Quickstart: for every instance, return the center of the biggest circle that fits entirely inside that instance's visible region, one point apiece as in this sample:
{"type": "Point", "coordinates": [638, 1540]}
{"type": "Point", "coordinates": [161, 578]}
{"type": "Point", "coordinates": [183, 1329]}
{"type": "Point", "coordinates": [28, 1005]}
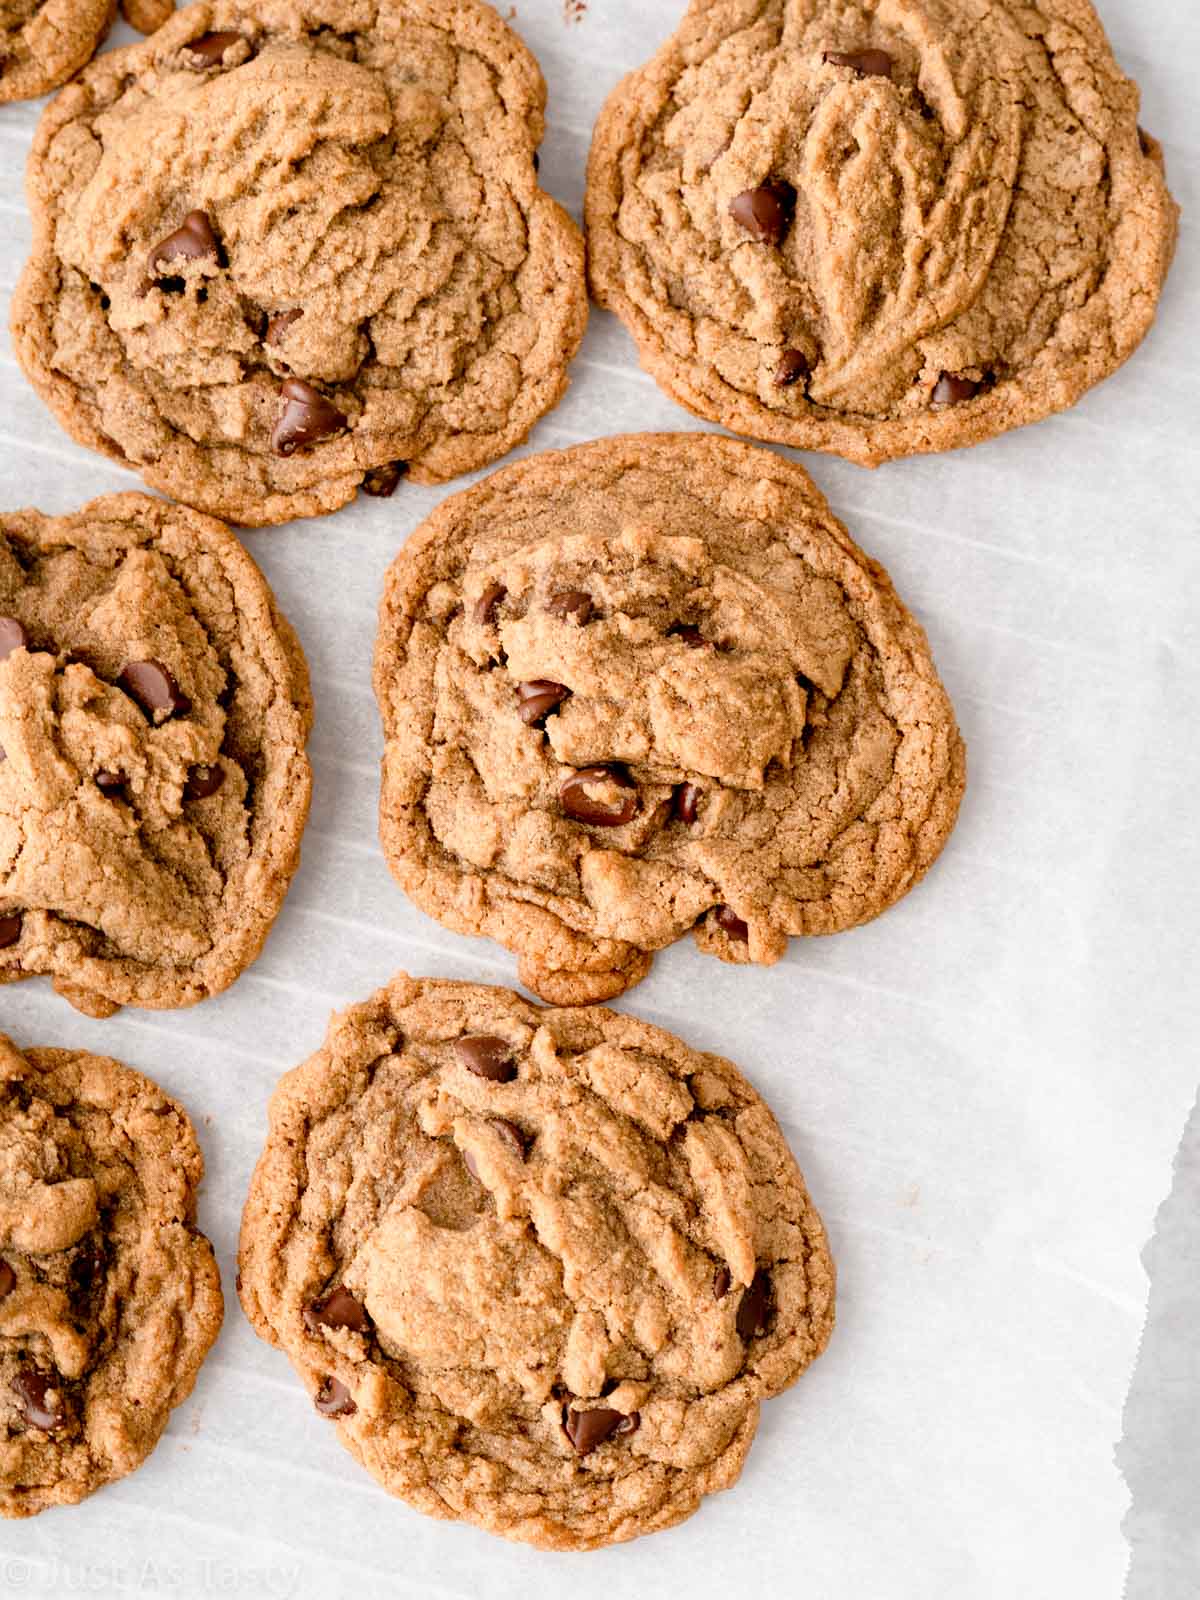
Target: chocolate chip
{"type": "Point", "coordinates": [203, 782]}
{"type": "Point", "coordinates": [754, 1310]}
{"type": "Point", "coordinates": [40, 1399]}
{"type": "Point", "coordinates": [687, 633]}
{"type": "Point", "coordinates": [109, 782]}
{"type": "Point", "coordinates": [279, 324]}
{"type": "Point", "coordinates": [865, 63]}
{"type": "Point", "coordinates": [339, 1309]}
{"type": "Point", "coordinates": [485, 606]}
{"type": "Point", "coordinates": [569, 604]}
{"type": "Point", "coordinates": [725, 917]}
{"type": "Point", "coordinates": [578, 798]}
{"type": "Point", "coordinates": [8, 1280]}
{"type": "Point", "coordinates": [587, 1429]}
{"type": "Point", "coordinates": [154, 689]}
{"type": "Point", "coordinates": [487, 1057]}
{"type": "Point", "coordinates": [685, 801]}
{"type": "Point", "coordinates": [952, 391]}
{"type": "Point", "coordinates": [307, 418]}
{"type": "Point", "coordinates": [511, 1135]}
{"type": "Point", "coordinates": [12, 637]}
{"type": "Point", "coordinates": [10, 930]}
{"type": "Point", "coordinates": [765, 212]}
{"type": "Point", "coordinates": [209, 49]}
{"type": "Point", "coordinates": [722, 1278]}
{"type": "Point", "coordinates": [193, 241]}
{"type": "Point", "coordinates": [381, 482]}
{"type": "Point", "coordinates": [793, 365]}
{"type": "Point", "coordinates": [537, 698]}
{"type": "Point", "coordinates": [333, 1399]}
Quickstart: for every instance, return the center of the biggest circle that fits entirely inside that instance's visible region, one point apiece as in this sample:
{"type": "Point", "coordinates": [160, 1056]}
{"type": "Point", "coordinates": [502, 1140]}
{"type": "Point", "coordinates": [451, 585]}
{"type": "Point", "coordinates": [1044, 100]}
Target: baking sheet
{"type": "Point", "coordinates": [985, 1088]}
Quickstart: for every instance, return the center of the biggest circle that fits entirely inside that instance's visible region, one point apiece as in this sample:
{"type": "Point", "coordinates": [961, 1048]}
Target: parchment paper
{"type": "Point", "coordinates": [985, 1088]}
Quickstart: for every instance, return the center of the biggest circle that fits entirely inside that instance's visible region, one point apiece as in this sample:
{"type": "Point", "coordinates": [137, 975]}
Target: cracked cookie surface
{"type": "Point", "coordinates": [154, 709]}
{"type": "Point", "coordinates": [539, 1266]}
{"type": "Point", "coordinates": [284, 250]}
{"type": "Point", "coordinates": [646, 685]}
{"type": "Point", "coordinates": [109, 1295]}
{"type": "Point", "coordinates": [879, 227]}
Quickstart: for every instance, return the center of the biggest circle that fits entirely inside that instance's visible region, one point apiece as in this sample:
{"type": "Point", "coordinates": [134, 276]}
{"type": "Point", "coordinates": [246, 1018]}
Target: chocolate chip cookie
{"type": "Point", "coordinates": [328, 264]}
{"type": "Point", "coordinates": [879, 228]}
{"type": "Point", "coordinates": [647, 685]}
{"type": "Point", "coordinates": [154, 708]}
{"type": "Point", "coordinates": [540, 1267]}
{"type": "Point", "coordinates": [109, 1295]}
{"type": "Point", "coordinates": [42, 42]}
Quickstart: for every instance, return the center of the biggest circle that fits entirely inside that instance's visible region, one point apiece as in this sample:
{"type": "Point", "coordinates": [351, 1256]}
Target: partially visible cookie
{"type": "Point", "coordinates": [330, 265]}
{"type": "Point", "coordinates": [879, 229]}
{"type": "Point", "coordinates": [42, 42]}
{"type": "Point", "coordinates": [154, 709]}
{"type": "Point", "coordinates": [539, 1267]}
{"type": "Point", "coordinates": [646, 685]}
{"type": "Point", "coordinates": [109, 1294]}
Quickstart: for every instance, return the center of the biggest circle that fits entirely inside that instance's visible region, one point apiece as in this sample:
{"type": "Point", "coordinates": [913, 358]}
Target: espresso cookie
{"type": "Point", "coordinates": [539, 1266]}
{"type": "Point", "coordinates": [879, 228]}
{"type": "Point", "coordinates": [154, 708]}
{"type": "Point", "coordinates": [331, 264]}
{"type": "Point", "coordinates": [42, 42]}
{"type": "Point", "coordinates": [109, 1295]}
{"type": "Point", "coordinates": [647, 685]}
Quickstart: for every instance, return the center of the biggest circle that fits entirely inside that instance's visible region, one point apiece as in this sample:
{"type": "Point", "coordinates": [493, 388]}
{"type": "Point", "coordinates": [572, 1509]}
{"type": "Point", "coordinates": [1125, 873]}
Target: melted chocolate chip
{"type": "Point", "coordinates": [688, 634]}
{"type": "Point", "coordinates": [952, 391]}
{"type": "Point", "coordinates": [487, 1057]}
{"type": "Point", "coordinates": [571, 605]}
{"type": "Point", "coordinates": [12, 637]}
{"type": "Point", "coordinates": [587, 1429]}
{"type": "Point", "coordinates": [578, 797]}
{"type": "Point", "coordinates": [203, 782]}
{"type": "Point", "coordinates": [485, 606]}
{"type": "Point", "coordinates": [538, 698]}
{"type": "Point", "coordinates": [339, 1309]}
{"type": "Point", "coordinates": [41, 1401]}
{"type": "Point", "coordinates": [8, 1280]}
{"type": "Point", "coordinates": [380, 483]}
{"type": "Point", "coordinates": [511, 1136]}
{"type": "Point", "coordinates": [209, 49]}
{"type": "Point", "coordinates": [725, 917]}
{"type": "Point", "coordinates": [193, 241]}
{"type": "Point", "coordinates": [754, 1311]}
{"type": "Point", "coordinates": [109, 782]}
{"type": "Point", "coordinates": [307, 418]}
{"type": "Point", "coordinates": [333, 1399]}
{"type": "Point", "coordinates": [10, 930]}
{"type": "Point", "coordinates": [765, 212]}
{"type": "Point", "coordinates": [793, 365]}
{"type": "Point", "coordinates": [685, 801]}
{"type": "Point", "coordinates": [154, 689]}
{"type": "Point", "coordinates": [864, 63]}
{"type": "Point", "coordinates": [722, 1278]}
{"type": "Point", "coordinates": [279, 324]}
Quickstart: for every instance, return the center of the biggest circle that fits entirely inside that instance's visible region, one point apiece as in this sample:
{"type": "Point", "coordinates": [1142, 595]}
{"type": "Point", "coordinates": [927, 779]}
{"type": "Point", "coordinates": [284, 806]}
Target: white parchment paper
{"type": "Point", "coordinates": [985, 1088]}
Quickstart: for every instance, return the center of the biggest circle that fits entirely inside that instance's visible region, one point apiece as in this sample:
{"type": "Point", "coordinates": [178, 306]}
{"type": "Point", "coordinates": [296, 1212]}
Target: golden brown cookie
{"type": "Point", "coordinates": [539, 1267]}
{"type": "Point", "coordinates": [879, 227]}
{"type": "Point", "coordinates": [109, 1295]}
{"type": "Point", "coordinates": [648, 685]}
{"type": "Point", "coordinates": [329, 263]}
{"type": "Point", "coordinates": [154, 709]}
{"type": "Point", "coordinates": [42, 42]}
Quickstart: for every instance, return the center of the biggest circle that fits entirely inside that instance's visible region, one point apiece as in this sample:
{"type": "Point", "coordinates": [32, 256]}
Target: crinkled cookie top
{"type": "Point", "coordinates": [285, 250]}
{"type": "Point", "coordinates": [109, 1296]}
{"type": "Point", "coordinates": [881, 226]}
{"type": "Point", "coordinates": [647, 685]}
{"type": "Point", "coordinates": [154, 708]}
{"type": "Point", "coordinates": [539, 1266]}
{"type": "Point", "coordinates": [42, 42]}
